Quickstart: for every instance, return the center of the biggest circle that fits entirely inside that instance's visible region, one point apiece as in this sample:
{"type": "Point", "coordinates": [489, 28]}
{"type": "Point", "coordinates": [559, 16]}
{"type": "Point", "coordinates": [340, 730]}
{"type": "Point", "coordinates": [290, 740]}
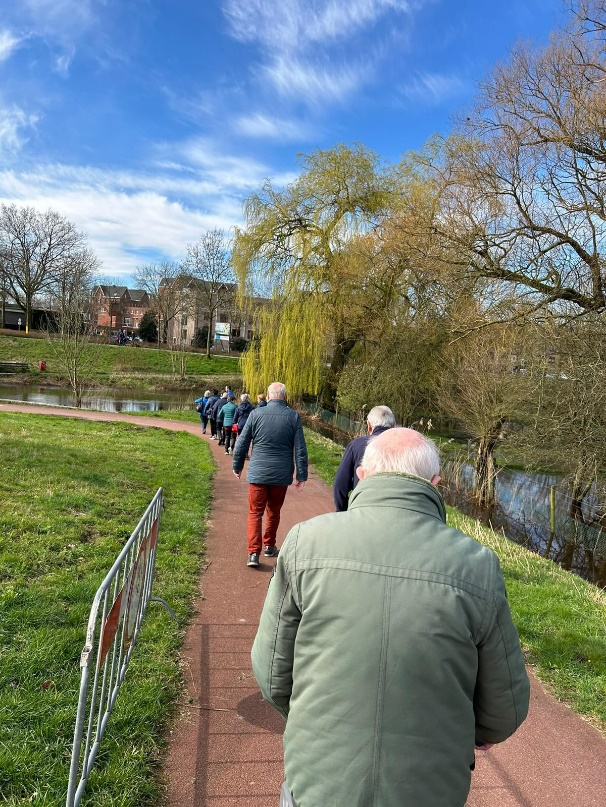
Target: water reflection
{"type": "Point", "coordinates": [111, 399]}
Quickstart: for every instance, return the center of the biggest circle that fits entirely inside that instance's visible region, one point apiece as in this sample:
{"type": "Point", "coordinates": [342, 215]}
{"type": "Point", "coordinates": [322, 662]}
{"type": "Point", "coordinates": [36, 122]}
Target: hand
{"type": "Point", "coordinates": [237, 474]}
{"type": "Point", "coordinates": [299, 485]}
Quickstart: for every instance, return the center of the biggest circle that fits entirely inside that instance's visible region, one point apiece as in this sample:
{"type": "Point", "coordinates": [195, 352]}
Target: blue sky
{"type": "Point", "coordinates": [147, 122]}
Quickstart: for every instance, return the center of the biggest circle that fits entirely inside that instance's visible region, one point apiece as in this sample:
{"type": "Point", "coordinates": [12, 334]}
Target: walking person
{"type": "Point", "coordinates": [225, 419]}
{"type": "Point", "coordinates": [261, 400]}
{"type": "Point", "coordinates": [387, 643]}
{"type": "Point", "coordinates": [218, 405]}
{"type": "Point", "coordinates": [242, 412]}
{"type": "Point", "coordinates": [208, 411]}
{"type": "Point", "coordinates": [378, 420]}
{"type": "Point", "coordinates": [277, 433]}
{"type": "Point", "coordinates": [201, 407]}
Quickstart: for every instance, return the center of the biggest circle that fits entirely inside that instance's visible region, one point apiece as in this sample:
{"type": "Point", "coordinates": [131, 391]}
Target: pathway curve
{"type": "Point", "coordinates": [225, 747]}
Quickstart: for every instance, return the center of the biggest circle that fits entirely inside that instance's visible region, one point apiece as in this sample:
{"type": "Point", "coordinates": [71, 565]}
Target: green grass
{"type": "Point", "coordinates": [119, 366]}
{"type": "Point", "coordinates": [72, 492]}
{"type": "Point", "coordinates": [561, 619]}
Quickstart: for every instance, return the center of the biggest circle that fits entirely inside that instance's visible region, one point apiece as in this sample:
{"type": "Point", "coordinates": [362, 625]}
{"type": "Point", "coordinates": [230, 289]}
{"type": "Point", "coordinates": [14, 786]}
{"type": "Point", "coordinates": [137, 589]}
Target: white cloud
{"type": "Point", "coordinates": [294, 24]}
{"type": "Point", "coordinates": [14, 122]}
{"type": "Point", "coordinates": [8, 43]}
{"type": "Point", "coordinates": [432, 88]}
{"type": "Point", "coordinates": [62, 18]}
{"type": "Point", "coordinates": [132, 217]}
{"type": "Point", "coordinates": [307, 47]}
{"type": "Point", "coordinates": [261, 126]}
{"type": "Point", "coordinates": [314, 83]}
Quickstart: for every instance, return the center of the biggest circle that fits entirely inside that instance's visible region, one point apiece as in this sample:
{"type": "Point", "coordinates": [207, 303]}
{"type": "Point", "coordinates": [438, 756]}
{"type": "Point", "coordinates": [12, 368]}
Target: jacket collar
{"type": "Point", "coordinates": [405, 491]}
{"type": "Point", "coordinates": [276, 402]}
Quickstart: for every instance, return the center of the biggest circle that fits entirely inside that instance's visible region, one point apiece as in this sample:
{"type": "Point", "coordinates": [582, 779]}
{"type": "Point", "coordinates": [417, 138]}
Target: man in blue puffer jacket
{"type": "Point", "coordinates": [279, 444]}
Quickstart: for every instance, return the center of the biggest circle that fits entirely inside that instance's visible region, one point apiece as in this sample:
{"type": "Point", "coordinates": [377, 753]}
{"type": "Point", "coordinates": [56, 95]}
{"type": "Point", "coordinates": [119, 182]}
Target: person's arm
{"type": "Point", "coordinates": [343, 481]}
{"type": "Point", "coordinates": [300, 453]}
{"type": "Point", "coordinates": [502, 691]}
{"type": "Point", "coordinates": [273, 649]}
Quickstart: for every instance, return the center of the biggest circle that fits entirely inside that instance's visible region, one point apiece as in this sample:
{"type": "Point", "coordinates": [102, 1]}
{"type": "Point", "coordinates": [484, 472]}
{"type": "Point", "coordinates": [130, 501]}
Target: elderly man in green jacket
{"type": "Point", "coordinates": [386, 641]}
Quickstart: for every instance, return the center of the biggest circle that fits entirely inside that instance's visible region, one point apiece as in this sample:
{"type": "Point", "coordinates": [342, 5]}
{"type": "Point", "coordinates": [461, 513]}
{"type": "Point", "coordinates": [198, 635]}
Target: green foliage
{"type": "Point", "coordinates": [148, 327]}
{"type": "Point", "coordinates": [72, 492]}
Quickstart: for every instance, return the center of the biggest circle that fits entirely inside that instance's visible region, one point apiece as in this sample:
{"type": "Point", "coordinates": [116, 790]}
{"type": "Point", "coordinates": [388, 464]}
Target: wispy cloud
{"type": "Point", "coordinates": [14, 123]}
{"type": "Point", "coordinates": [294, 24]}
{"type": "Point", "coordinates": [271, 128]}
{"type": "Point", "coordinates": [306, 45]}
{"type": "Point", "coordinates": [433, 88]}
{"type": "Point", "coordinates": [62, 18]}
{"type": "Point", "coordinates": [8, 43]}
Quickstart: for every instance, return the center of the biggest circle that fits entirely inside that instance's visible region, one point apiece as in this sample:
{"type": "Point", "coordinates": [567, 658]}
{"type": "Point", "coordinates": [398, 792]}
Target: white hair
{"type": "Point", "coordinates": [245, 397]}
{"type": "Point", "coordinates": [276, 391]}
{"type": "Point", "coordinates": [381, 416]}
{"type": "Point", "coordinates": [417, 456]}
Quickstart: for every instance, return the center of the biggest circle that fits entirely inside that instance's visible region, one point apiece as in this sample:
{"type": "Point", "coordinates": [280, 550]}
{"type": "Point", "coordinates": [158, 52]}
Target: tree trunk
{"type": "Point", "coordinates": [485, 470]}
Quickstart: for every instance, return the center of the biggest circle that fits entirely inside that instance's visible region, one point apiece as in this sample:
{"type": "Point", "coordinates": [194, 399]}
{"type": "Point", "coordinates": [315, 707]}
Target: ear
{"type": "Point", "coordinates": [434, 480]}
{"type": "Point", "coordinates": [360, 472]}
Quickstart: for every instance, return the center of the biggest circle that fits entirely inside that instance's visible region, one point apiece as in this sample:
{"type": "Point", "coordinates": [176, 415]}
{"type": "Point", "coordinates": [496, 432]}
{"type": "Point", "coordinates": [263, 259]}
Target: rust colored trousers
{"type": "Point", "coordinates": [268, 500]}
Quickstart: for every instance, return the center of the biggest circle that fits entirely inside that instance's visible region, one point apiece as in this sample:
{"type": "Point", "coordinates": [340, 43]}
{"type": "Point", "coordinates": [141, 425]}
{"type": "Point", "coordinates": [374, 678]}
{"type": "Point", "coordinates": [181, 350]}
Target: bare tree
{"type": "Point", "coordinates": [209, 263]}
{"type": "Point", "coordinates": [163, 283]}
{"type": "Point", "coordinates": [35, 247]}
{"type": "Point", "coordinates": [71, 321]}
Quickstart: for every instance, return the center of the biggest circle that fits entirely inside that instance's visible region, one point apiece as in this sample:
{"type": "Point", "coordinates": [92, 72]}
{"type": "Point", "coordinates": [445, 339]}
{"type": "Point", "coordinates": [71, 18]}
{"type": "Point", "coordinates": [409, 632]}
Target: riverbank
{"type": "Point", "coordinates": [119, 366]}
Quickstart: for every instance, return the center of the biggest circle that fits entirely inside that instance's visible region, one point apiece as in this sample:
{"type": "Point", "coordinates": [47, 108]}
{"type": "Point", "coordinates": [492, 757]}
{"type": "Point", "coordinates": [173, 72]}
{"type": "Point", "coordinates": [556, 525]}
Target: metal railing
{"type": "Point", "coordinates": [113, 626]}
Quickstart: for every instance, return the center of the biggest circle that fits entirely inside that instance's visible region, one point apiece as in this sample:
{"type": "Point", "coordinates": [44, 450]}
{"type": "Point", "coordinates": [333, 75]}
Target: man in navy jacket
{"type": "Point", "coordinates": [379, 419]}
{"type": "Point", "coordinates": [279, 446]}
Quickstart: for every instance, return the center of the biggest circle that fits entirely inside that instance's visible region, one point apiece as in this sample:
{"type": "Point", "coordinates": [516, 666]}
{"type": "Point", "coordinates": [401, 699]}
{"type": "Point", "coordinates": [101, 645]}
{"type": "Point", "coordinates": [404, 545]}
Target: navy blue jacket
{"type": "Point", "coordinates": [277, 434]}
{"type": "Point", "coordinates": [209, 405]}
{"type": "Point", "coordinates": [242, 413]}
{"type": "Point", "coordinates": [346, 478]}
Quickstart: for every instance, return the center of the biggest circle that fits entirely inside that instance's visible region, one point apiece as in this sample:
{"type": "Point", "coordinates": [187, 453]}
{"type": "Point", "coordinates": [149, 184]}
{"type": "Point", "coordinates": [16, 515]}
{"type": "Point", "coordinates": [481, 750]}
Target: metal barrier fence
{"type": "Point", "coordinates": [113, 626]}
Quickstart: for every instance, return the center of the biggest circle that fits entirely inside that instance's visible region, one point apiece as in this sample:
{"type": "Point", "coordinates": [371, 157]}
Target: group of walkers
{"type": "Point", "coordinates": [386, 641]}
{"type": "Point", "coordinates": [225, 419]}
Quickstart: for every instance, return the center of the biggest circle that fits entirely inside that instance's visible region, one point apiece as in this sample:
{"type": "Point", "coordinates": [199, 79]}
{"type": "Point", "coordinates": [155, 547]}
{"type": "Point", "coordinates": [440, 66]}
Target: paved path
{"type": "Point", "coordinates": [225, 748]}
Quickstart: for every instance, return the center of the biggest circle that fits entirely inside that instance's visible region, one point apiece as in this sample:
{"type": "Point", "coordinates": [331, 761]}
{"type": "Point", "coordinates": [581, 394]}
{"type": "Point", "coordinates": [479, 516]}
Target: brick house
{"type": "Point", "coordinates": [119, 308]}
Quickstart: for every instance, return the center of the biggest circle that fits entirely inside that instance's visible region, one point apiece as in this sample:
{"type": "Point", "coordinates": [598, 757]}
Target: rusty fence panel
{"type": "Point", "coordinates": [113, 626]}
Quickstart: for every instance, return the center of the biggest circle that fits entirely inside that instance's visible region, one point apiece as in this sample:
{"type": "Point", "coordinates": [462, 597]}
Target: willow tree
{"type": "Point", "coordinates": [298, 238]}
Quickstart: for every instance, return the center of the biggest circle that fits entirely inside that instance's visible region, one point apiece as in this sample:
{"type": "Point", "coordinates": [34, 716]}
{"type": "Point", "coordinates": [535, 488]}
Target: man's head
{"type": "Point", "coordinates": [401, 451]}
{"type": "Point", "coordinates": [224, 395]}
{"type": "Point", "coordinates": [380, 416]}
{"type": "Point", "coordinates": [276, 392]}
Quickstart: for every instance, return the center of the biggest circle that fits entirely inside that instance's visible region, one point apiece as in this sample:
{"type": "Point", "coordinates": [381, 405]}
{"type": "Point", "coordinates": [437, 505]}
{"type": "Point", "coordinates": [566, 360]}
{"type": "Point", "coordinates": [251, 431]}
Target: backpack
{"type": "Point", "coordinates": [200, 407]}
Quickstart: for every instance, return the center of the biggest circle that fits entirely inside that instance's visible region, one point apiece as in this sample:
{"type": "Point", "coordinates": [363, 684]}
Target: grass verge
{"type": "Point", "coordinates": [561, 619]}
{"type": "Point", "coordinates": [72, 491]}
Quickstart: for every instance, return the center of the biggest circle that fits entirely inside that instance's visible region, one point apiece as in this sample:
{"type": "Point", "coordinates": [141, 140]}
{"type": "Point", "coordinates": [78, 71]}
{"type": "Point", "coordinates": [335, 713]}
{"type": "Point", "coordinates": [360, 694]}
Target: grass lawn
{"type": "Point", "coordinates": [117, 366]}
{"type": "Point", "coordinates": [72, 492]}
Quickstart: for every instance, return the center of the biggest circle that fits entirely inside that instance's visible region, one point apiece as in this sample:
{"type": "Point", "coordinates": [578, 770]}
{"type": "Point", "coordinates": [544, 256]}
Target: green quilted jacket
{"type": "Point", "coordinates": [386, 641]}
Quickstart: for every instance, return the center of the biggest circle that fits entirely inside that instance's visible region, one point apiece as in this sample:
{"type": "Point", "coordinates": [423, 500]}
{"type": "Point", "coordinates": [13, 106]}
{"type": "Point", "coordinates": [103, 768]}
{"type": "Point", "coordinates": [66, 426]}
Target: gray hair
{"type": "Point", "coordinates": [276, 391]}
{"type": "Point", "coordinates": [381, 416]}
{"type": "Point", "coordinates": [245, 397]}
{"type": "Point", "coordinates": [404, 451]}
{"type": "Point", "coordinates": [207, 394]}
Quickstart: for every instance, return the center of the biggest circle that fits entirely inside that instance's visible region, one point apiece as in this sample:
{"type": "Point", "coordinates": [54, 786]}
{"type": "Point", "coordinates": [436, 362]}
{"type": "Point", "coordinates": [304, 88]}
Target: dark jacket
{"type": "Point", "coordinates": [278, 443]}
{"type": "Point", "coordinates": [346, 478]}
{"type": "Point", "coordinates": [209, 406]}
{"type": "Point", "coordinates": [217, 407]}
{"type": "Point", "coordinates": [386, 640]}
{"type": "Point", "coordinates": [242, 413]}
